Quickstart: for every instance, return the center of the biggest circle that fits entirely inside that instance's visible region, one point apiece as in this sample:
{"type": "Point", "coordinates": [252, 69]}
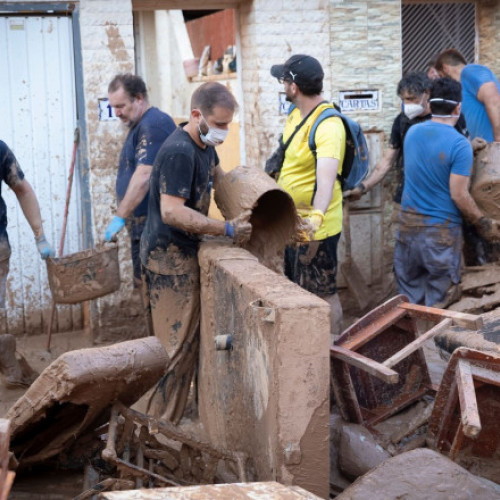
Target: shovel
{"type": "Point", "coordinates": [355, 281]}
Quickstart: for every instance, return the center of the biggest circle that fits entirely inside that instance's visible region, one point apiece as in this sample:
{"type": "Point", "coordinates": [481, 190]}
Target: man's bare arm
{"type": "Point", "coordinates": [376, 175]}
{"type": "Point", "coordinates": [459, 190]}
{"type": "Point", "coordinates": [136, 191]}
{"type": "Point", "coordinates": [29, 205]}
{"type": "Point", "coordinates": [326, 174]}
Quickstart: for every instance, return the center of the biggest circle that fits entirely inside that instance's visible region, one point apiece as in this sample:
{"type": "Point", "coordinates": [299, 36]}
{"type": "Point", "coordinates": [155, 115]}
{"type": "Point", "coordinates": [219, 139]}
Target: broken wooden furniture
{"type": "Point", "coordinates": [6, 476]}
{"type": "Point", "coordinates": [378, 366]}
{"type": "Point", "coordinates": [77, 390]}
{"type": "Point", "coordinates": [156, 453]}
{"type": "Point", "coordinates": [465, 422]}
{"type": "Point", "coordinates": [248, 491]}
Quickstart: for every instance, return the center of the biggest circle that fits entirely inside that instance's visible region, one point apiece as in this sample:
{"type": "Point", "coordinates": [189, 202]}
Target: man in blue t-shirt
{"type": "Point", "coordinates": [149, 127]}
{"type": "Point", "coordinates": [481, 94]}
{"type": "Point", "coordinates": [438, 163]}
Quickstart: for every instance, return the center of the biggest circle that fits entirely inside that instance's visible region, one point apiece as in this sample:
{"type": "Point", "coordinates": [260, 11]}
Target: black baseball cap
{"type": "Point", "coordinates": [300, 69]}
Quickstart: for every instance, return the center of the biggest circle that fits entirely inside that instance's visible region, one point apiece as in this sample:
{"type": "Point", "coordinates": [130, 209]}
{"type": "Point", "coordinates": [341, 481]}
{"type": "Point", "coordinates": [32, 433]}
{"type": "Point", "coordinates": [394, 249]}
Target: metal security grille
{"type": "Point", "coordinates": [429, 28]}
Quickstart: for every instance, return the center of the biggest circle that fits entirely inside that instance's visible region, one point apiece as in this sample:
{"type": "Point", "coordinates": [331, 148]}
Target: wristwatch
{"type": "Point", "coordinates": [362, 187]}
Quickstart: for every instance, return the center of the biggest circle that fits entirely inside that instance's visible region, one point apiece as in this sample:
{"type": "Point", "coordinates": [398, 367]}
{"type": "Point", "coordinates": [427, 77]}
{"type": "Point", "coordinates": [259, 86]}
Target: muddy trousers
{"type": "Point", "coordinates": [174, 302]}
{"type": "Point", "coordinates": [427, 262]}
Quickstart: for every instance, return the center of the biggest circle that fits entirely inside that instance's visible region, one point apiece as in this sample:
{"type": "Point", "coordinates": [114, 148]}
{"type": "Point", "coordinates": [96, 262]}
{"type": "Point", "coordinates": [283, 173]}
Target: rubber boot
{"type": "Point", "coordinates": [10, 366]}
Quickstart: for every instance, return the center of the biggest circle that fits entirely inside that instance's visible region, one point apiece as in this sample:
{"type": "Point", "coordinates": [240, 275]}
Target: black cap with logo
{"type": "Point", "coordinates": [300, 69]}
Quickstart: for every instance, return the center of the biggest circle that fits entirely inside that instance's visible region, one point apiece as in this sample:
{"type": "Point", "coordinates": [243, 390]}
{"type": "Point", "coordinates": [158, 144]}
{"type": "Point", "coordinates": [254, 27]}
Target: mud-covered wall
{"type": "Point", "coordinates": [269, 395]}
{"type": "Point", "coordinates": [107, 43]}
{"type": "Point", "coordinates": [357, 42]}
{"type": "Point", "coordinates": [488, 23]}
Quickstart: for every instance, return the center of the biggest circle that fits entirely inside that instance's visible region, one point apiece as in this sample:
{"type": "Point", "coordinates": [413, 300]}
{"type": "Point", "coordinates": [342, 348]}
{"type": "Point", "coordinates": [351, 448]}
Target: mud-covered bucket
{"type": "Point", "coordinates": [273, 212]}
{"type": "Point", "coordinates": [84, 275]}
{"type": "Point", "coordinates": [485, 183]}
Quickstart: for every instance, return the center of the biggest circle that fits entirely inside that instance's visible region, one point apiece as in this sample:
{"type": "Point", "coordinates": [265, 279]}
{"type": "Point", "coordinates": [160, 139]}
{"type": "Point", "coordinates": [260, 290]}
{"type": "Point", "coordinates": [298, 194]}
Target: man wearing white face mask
{"type": "Point", "coordinates": [438, 163]}
{"type": "Point", "coordinates": [414, 90]}
{"type": "Point", "coordinates": [183, 173]}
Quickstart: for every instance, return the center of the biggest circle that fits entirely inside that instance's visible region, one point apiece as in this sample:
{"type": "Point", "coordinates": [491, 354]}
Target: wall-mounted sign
{"type": "Point", "coordinates": [358, 100]}
{"type": "Point", "coordinates": [284, 105]}
{"type": "Point", "coordinates": [106, 111]}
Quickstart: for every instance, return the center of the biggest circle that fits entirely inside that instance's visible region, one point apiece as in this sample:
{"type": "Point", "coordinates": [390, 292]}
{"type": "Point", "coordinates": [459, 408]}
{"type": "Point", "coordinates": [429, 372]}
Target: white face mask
{"type": "Point", "coordinates": [413, 110]}
{"type": "Point", "coordinates": [214, 136]}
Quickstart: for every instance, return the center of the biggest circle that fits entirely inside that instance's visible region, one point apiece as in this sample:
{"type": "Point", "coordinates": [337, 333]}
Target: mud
{"type": "Point", "coordinates": [248, 491]}
{"type": "Point", "coordinates": [77, 389]}
{"type": "Point", "coordinates": [359, 452]}
{"type": "Point", "coordinates": [485, 183]}
{"type": "Point", "coordinates": [273, 216]}
{"type": "Point", "coordinates": [418, 475]}
{"type": "Point", "coordinates": [84, 275]}
{"type": "Point", "coordinates": [268, 396]}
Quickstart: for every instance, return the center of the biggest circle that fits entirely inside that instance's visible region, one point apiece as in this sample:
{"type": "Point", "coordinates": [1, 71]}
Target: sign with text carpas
{"type": "Point", "coordinates": [358, 100]}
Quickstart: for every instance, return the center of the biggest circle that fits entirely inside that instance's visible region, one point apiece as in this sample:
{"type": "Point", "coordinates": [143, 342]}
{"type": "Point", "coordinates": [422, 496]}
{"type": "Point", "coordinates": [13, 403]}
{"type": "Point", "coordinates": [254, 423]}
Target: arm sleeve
{"type": "Point", "coordinates": [462, 158]}
{"type": "Point", "coordinates": [11, 172]}
{"type": "Point", "coordinates": [149, 141]}
{"type": "Point", "coordinates": [395, 141]}
{"type": "Point", "coordinates": [176, 174]}
{"type": "Point", "coordinates": [476, 75]}
{"type": "Point", "coordinates": [330, 139]}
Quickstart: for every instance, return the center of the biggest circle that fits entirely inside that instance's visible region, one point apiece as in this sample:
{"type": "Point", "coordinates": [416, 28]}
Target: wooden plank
{"type": "Point", "coordinates": [471, 321]}
{"type": "Point", "coordinates": [473, 280]}
{"type": "Point", "coordinates": [417, 343]}
{"type": "Point", "coordinates": [372, 330]}
{"type": "Point", "coordinates": [138, 5]}
{"type": "Point", "coordinates": [366, 364]}
{"type": "Point", "coordinates": [486, 375]}
{"type": "Point", "coordinates": [477, 303]}
{"type": "Point", "coordinates": [471, 423]}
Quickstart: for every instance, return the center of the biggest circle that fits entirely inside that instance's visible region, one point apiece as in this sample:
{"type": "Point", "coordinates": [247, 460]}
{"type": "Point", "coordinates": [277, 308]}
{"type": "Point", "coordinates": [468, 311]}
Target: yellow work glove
{"type": "Point", "coordinates": [309, 222]}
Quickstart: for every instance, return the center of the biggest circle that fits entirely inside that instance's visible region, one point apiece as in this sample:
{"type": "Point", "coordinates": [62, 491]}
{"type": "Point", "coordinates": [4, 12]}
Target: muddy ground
{"type": "Point", "coordinates": [55, 485]}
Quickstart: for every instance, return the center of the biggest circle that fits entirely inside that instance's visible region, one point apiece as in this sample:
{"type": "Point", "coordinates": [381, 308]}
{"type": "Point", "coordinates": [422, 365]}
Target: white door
{"type": "Point", "coordinates": [38, 118]}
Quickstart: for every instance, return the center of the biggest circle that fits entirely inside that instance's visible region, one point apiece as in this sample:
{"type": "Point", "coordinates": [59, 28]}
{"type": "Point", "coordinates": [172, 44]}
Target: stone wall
{"type": "Point", "coordinates": [488, 23]}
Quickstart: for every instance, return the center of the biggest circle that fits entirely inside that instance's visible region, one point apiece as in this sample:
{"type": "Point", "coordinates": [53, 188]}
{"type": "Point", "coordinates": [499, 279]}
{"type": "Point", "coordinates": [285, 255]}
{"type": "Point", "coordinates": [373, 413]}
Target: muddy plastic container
{"type": "Point", "coordinates": [84, 275]}
{"type": "Point", "coordinates": [485, 183]}
{"type": "Point", "coordinates": [273, 218]}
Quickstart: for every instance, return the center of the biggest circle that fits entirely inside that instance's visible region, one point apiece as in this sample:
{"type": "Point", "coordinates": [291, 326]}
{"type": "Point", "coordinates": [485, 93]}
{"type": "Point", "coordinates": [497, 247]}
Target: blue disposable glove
{"type": "Point", "coordinates": [115, 226]}
{"type": "Point", "coordinates": [44, 247]}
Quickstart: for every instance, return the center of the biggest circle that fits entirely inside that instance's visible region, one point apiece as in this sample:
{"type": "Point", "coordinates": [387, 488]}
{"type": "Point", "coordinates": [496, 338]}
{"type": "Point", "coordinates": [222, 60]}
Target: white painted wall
{"type": "Point", "coordinates": [38, 120]}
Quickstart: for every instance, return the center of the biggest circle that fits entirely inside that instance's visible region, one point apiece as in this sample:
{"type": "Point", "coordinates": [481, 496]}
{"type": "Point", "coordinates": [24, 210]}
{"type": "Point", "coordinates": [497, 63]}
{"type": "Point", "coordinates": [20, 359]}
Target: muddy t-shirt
{"type": "Point", "coordinates": [11, 174]}
{"type": "Point", "coordinates": [141, 147]}
{"type": "Point", "coordinates": [182, 169]}
{"type": "Point", "coordinates": [399, 128]}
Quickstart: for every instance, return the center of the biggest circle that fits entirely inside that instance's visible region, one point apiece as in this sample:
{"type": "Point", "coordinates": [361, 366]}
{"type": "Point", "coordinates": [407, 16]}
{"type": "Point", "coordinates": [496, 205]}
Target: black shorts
{"type": "Point", "coordinates": [313, 265]}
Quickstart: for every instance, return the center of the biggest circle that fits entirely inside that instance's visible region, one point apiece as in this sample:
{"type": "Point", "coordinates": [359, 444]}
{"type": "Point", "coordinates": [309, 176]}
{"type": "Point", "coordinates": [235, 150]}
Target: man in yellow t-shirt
{"type": "Point", "coordinates": [312, 180]}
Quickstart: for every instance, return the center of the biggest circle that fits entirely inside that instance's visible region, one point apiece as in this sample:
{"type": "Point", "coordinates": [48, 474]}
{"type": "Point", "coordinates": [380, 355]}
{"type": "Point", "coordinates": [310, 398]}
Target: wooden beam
{"type": "Point", "coordinates": [378, 325]}
{"type": "Point", "coordinates": [471, 423]}
{"type": "Point", "coordinates": [366, 364]}
{"type": "Point", "coordinates": [417, 343]}
{"type": "Point", "coordinates": [470, 321]}
{"type": "Point", "coordinates": [148, 5]}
